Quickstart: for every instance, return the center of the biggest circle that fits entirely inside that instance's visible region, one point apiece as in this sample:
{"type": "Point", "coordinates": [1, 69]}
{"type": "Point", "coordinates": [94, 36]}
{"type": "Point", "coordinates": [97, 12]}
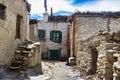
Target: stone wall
{"type": "Point", "coordinates": [106, 60]}
{"type": "Point", "coordinates": [92, 39]}
{"type": "Point", "coordinates": [87, 37]}
{"type": "Point", "coordinates": [116, 67]}
{"type": "Point", "coordinates": [8, 28]}
{"type": "Point", "coordinates": [87, 53]}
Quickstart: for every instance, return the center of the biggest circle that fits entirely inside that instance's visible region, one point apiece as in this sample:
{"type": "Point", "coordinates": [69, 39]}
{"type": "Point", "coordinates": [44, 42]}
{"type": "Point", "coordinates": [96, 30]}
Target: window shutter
{"type": "Point", "coordinates": [56, 36]}
{"type": "Point", "coordinates": [41, 35]}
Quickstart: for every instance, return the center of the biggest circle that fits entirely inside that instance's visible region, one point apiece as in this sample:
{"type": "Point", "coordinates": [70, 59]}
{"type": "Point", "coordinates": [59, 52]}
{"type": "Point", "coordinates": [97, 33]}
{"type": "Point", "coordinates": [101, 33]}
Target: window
{"type": "Point", "coordinates": [41, 35]}
{"type": "Point", "coordinates": [2, 12]}
{"type": "Point", "coordinates": [56, 36]}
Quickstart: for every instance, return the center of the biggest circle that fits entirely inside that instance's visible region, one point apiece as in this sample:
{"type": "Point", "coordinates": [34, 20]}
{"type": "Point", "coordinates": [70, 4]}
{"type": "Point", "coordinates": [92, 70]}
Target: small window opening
{"type": "Point", "coordinates": [41, 35]}
{"type": "Point", "coordinates": [2, 12]}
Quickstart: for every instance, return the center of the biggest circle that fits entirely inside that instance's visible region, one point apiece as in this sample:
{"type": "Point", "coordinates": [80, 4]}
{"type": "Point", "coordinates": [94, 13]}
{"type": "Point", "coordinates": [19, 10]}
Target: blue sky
{"type": "Point", "coordinates": [76, 2]}
{"type": "Point", "coordinates": [67, 7]}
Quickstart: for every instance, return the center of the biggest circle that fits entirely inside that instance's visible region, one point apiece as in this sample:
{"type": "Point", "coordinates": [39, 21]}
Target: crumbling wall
{"type": "Point", "coordinates": [35, 59]}
{"type": "Point", "coordinates": [106, 60]}
{"type": "Point", "coordinates": [88, 38]}
{"type": "Point", "coordinates": [116, 67]}
{"type": "Point", "coordinates": [88, 53]}
{"type": "Point", "coordinates": [95, 43]}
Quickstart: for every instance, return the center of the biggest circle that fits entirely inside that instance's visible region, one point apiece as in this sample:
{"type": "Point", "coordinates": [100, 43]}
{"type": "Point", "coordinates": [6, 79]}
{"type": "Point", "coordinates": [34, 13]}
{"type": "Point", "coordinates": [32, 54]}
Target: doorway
{"type": "Point", "coordinates": [54, 54]}
{"type": "Point", "coordinates": [93, 65]}
{"type": "Point", "coordinates": [18, 26]}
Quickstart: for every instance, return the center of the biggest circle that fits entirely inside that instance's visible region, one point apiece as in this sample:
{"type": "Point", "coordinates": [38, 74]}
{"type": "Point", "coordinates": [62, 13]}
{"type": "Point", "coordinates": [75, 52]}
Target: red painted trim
{"type": "Point", "coordinates": [73, 37]}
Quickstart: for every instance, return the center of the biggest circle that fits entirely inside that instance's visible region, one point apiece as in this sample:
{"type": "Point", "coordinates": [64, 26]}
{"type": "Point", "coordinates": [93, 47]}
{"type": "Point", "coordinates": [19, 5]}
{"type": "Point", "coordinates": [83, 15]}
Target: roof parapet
{"type": "Point", "coordinates": [58, 19]}
{"type": "Point", "coordinates": [99, 14]}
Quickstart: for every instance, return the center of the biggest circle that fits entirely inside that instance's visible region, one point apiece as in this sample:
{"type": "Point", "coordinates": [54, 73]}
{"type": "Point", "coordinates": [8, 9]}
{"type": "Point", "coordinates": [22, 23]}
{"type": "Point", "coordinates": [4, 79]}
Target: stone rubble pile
{"type": "Point", "coordinates": [107, 62]}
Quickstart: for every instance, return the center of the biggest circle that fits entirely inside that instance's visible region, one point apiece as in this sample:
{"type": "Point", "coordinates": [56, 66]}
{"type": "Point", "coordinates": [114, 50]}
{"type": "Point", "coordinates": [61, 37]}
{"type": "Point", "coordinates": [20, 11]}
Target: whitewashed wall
{"type": "Point", "coordinates": [49, 26]}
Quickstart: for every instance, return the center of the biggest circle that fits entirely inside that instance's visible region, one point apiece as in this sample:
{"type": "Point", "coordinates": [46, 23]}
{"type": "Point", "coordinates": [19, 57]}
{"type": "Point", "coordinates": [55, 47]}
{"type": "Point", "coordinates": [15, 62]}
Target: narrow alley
{"type": "Point", "coordinates": [59, 40]}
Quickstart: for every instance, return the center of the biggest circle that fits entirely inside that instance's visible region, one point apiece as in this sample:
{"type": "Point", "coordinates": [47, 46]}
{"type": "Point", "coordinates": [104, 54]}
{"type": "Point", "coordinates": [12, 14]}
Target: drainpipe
{"type": "Point", "coordinates": [73, 35]}
{"type": "Point", "coordinates": [68, 44]}
{"type": "Point", "coordinates": [72, 59]}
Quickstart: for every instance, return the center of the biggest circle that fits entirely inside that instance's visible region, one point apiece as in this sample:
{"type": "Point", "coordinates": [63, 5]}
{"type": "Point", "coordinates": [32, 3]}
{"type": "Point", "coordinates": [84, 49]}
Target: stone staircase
{"type": "Point", "coordinates": [23, 54]}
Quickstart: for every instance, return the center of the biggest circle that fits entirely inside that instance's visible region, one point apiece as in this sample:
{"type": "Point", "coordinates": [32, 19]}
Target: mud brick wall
{"type": "Point", "coordinates": [8, 43]}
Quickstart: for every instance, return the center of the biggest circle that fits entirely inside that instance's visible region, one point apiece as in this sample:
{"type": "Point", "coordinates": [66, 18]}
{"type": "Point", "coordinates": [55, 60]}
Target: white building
{"type": "Point", "coordinates": [52, 32]}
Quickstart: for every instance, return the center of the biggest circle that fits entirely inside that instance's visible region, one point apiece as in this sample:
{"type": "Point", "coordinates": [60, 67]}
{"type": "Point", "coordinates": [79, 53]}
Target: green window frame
{"type": "Point", "coordinates": [41, 35]}
{"type": "Point", "coordinates": [56, 36]}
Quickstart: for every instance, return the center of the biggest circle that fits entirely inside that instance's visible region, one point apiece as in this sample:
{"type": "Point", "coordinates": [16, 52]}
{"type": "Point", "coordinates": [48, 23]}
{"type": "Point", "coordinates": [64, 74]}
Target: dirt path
{"type": "Point", "coordinates": [59, 71]}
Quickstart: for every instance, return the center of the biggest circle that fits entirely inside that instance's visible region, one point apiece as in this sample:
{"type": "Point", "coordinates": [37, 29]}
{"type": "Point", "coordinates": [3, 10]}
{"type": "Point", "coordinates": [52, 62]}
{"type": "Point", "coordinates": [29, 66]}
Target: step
{"type": "Point", "coordinates": [115, 74]}
{"type": "Point", "coordinates": [18, 51]}
{"type": "Point", "coordinates": [18, 58]}
{"type": "Point", "coordinates": [23, 73]}
{"type": "Point", "coordinates": [17, 63]}
{"type": "Point", "coordinates": [22, 46]}
{"type": "Point", "coordinates": [25, 58]}
{"type": "Point", "coordinates": [26, 52]}
{"type": "Point", "coordinates": [116, 48]}
{"type": "Point", "coordinates": [25, 47]}
{"type": "Point", "coordinates": [14, 67]}
{"type": "Point", "coordinates": [116, 55]}
{"type": "Point", "coordinates": [36, 43]}
{"type": "Point", "coordinates": [110, 51]}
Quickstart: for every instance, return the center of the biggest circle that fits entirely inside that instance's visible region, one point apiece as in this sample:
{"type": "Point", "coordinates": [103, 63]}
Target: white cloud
{"type": "Point", "coordinates": [38, 5]}
{"type": "Point", "coordinates": [65, 5]}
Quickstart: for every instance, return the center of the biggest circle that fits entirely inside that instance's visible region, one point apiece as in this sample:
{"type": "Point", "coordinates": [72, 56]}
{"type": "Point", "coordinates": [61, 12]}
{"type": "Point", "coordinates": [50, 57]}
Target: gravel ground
{"type": "Point", "coordinates": [59, 71]}
{"type": "Point", "coordinates": [52, 70]}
